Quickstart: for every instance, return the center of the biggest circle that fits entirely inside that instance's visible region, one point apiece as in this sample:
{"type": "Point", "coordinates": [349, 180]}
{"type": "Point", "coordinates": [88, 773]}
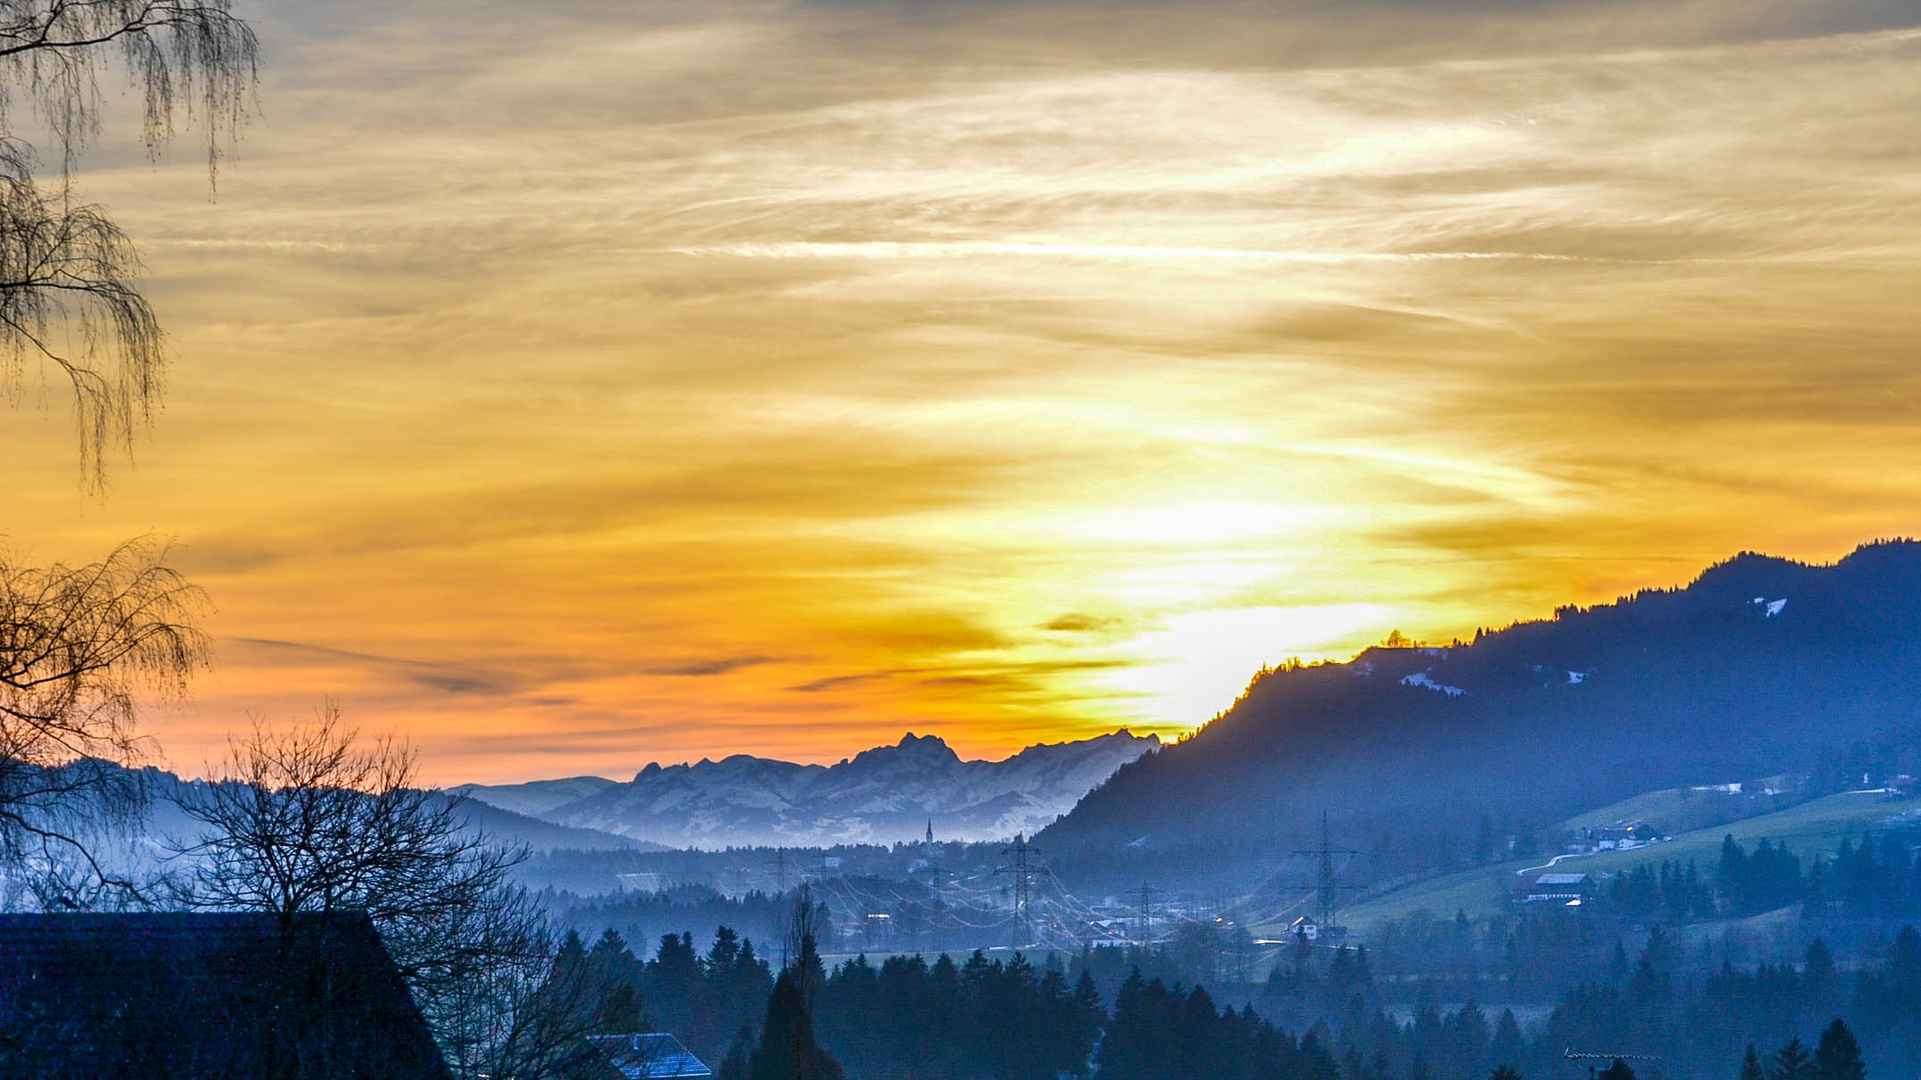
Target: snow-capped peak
{"type": "Point", "coordinates": [885, 794]}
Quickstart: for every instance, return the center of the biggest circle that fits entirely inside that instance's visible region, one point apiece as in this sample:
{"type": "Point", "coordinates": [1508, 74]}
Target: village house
{"type": "Point", "coordinates": [1620, 836]}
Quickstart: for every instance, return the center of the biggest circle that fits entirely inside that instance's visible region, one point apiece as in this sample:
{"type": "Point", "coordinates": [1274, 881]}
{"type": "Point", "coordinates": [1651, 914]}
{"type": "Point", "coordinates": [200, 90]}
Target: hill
{"type": "Point", "coordinates": [1811, 828]}
{"type": "Point", "coordinates": [1759, 667]}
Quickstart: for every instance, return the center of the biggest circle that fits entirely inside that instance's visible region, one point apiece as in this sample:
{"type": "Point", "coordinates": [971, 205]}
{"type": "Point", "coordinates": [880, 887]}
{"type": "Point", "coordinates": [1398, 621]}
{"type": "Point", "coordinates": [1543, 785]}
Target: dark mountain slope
{"type": "Point", "coordinates": [1407, 749]}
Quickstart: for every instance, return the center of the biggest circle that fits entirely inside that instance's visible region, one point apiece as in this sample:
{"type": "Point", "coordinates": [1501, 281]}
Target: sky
{"type": "Point", "coordinates": [571, 386]}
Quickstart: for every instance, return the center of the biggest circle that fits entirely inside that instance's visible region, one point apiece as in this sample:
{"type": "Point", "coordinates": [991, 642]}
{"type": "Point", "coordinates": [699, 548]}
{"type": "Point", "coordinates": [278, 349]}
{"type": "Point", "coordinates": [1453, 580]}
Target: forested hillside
{"type": "Point", "coordinates": [1761, 666]}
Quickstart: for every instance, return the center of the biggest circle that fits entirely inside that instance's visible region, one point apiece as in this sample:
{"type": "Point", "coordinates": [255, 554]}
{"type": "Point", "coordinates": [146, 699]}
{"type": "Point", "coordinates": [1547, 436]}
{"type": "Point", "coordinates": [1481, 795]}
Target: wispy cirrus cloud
{"type": "Point", "coordinates": [659, 378]}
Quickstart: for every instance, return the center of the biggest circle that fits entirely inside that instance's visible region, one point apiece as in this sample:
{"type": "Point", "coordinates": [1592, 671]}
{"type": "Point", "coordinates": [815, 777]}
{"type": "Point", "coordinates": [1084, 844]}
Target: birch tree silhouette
{"type": "Point", "coordinates": [78, 645]}
{"type": "Point", "coordinates": [70, 292]}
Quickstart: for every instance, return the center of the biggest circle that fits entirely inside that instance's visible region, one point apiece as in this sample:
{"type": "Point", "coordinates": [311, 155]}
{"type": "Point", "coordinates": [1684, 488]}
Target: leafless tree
{"type": "Point", "coordinates": [512, 1003]}
{"type": "Point", "coordinates": [77, 645]}
{"type": "Point", "coordinates": [312, 819]}
{"type": "Point", "coordinates": [808, 923]}
{"type": "Point", "coordinates": [69, 278]}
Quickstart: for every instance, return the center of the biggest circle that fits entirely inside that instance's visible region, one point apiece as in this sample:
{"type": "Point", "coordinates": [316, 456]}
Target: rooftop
{"type": "Point", "coordinates": [653, 1056]}
{"type": "Point", "coordinates": [166, 995]}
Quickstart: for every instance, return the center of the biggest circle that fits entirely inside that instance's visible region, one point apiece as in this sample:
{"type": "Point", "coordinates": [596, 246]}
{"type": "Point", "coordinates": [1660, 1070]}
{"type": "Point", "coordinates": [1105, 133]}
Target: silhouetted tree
{"type": "Point", "coordinates": [1838, 1056]}
{"type": "Point", "coordinates": [78, 647]}
{"type": "Point", "coordinates": [1791, 1062]}
{"type": "Point", "coordinates": [69, 278]}
{"type": "Point", "coordinates": [787, 1048]}
{"type": "Point", "coordinates": [310, 820]}
{"type": "Point", "coordinates": [1507, 1047]}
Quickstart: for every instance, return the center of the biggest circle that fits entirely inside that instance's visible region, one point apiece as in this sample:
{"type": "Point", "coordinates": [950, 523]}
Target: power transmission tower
{"type": "Point", "coordinates": [1327, 888]}
{"type": "Point", "coordinates": [1023, 882]}
{"type": "Point", "coordinates": [780, 870]}
{"type": "Point", "coordinates": [1147, 893]}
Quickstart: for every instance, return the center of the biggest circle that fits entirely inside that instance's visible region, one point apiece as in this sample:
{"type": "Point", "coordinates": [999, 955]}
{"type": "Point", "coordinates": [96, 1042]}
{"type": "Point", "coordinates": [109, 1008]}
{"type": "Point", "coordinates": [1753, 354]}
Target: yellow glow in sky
{"type": "Point", "coordinates": [582, 385]}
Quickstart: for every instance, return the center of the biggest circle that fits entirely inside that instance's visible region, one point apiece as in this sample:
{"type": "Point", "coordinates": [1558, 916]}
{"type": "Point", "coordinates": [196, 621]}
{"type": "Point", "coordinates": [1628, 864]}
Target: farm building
{"type": "Point", "coordinates": [1570, 890]}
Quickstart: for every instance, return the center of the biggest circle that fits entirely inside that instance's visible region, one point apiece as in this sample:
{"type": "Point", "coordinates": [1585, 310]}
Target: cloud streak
{"type": "Point", "coordinates": [668, 379]}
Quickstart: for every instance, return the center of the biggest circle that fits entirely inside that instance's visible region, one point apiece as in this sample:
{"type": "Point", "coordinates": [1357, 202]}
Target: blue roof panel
{"type": "Point", "coordinates": [652, 1056]}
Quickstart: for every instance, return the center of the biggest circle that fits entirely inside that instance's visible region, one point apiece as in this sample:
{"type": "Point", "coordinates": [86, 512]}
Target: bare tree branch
{"type": "Point", "coordinates": [77, 645]}
{"type": "Point", "coordinates": [69, 278]}
{"type": "Point", "coordinates": [312, 819]}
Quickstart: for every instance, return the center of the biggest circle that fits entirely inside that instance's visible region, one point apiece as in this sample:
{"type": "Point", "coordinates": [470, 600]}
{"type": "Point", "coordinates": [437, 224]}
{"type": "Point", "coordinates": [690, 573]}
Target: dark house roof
{"type": "Point", "coordinates": [655, 1056]}
{"type": "Point", "coordinates": [214, 996]}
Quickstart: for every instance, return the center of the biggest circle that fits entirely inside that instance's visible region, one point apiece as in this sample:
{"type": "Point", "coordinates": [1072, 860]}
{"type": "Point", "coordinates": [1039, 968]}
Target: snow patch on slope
{"type": "Point", "coordinates": [1423, 679]}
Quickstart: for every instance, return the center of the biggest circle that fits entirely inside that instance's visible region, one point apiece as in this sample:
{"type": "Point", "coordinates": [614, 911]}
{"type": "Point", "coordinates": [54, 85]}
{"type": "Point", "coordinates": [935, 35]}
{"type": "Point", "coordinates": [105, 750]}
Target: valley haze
{"type": "Point", "coordinates": [1359, 509]}
{"type": "Point", "coordinates": [885, 795]}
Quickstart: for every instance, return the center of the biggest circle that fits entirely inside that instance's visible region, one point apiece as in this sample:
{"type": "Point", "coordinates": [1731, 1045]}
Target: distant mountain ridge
{"type": "Point", "coordinates": [1761, 666]}
{"type": "Point", "coordinates": [165, 821]}
{"type": "Point", "coordinates": [883, 795]}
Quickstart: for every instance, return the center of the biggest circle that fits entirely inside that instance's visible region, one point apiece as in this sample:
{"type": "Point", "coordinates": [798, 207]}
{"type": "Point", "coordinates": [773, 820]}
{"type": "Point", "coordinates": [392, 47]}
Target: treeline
{"type": "Point", "coordinates": [1529, 955]}
{"type": "Point", "coordinates": [1647, 1005]}
{"type": "Point", "coordinates": [1158, 1031]}
{"type": "Point", "coordinates": [643, 916]}
{"type": "Point", "coordinates": [987, 1019]}
{"type": "Point", "coordinates": [906, 1018]}
{"type": "Point", "coordinates": [702, 999]}
{"type": "Point", "coordinates": [1872, 879]}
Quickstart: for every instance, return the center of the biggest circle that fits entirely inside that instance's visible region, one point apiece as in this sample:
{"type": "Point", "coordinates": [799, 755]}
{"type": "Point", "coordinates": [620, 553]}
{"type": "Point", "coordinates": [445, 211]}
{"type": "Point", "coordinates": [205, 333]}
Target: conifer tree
{"type": "Point", "coordinates": [1838, 1055]}
{"type": "Point", "coordinates": [1751, 1066]}
{"type": "Point", "coordinates": [1508, 1044]}
{"type": "Point", "coordinates": [787, 1048]}
{"type": "Point", "coordinates": [1791, 1062]}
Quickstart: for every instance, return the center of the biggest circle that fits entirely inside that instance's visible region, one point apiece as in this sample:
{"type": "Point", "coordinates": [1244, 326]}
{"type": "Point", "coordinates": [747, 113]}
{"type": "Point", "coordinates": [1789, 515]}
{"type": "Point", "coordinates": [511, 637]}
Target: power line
{"type": "Point", "coordinates": [1327, 887]}
{"type": "Point", "coordinates": [1020, 849]}
{"type": "Point", "coordinates": [1147, 892]}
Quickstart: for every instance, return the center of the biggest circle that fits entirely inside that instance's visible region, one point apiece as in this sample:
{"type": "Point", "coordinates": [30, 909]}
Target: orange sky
{"type": "Point", "coordinates": [614, 382]}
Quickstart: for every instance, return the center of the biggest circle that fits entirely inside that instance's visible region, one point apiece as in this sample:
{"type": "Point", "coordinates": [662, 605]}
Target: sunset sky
{"type": "Point", "coordinates": [577, 385]}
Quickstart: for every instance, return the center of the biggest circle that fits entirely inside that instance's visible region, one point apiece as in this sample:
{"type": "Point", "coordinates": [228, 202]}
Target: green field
{"type": "Point", "coordinates": [1809, 828]}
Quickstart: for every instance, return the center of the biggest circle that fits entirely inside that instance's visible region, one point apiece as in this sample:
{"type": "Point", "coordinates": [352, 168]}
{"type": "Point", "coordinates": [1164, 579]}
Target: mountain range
{"type": "Point", "coordinates": [1420, 755]}
{"type": "Point", "coordinates": [166, 823]}
{"type": "Point", "coordinates": [883, 795]}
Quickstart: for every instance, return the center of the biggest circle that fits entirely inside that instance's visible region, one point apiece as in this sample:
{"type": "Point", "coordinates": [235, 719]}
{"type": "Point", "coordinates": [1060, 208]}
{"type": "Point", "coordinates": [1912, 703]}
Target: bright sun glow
{"type": "Point", "coordinates": [1201, 661]}
{"type": "Point", "coordinates": [980, 375]}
